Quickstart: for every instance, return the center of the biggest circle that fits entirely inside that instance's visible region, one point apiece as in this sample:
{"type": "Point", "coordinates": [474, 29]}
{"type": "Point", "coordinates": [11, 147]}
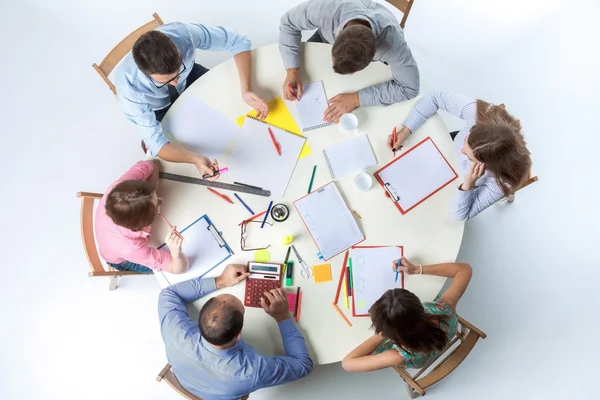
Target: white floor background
{"type": "Point", "coordinates": [65, 336]}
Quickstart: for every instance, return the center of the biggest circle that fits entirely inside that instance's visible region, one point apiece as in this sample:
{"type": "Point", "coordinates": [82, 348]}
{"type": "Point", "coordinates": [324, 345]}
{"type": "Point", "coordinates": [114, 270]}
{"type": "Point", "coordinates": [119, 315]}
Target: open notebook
{"type": "Point", "coordinates": [204, 247]}
{"type": "Point", "coordinates": [329, 220]}
{"type": "Point", "coordinates": [350, 156]}
{"type": "Point", "coordinates": [201, 128]}
{"type": "Point", "coordinates": [372, 275]}
{"type": "Point", "coordinates": [312, 106]}
{"type": "Point", "coordinates": [255, 161]}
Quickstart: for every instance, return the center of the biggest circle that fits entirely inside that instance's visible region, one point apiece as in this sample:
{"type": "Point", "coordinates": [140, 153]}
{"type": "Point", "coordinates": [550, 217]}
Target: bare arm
{"type": "Point", "coordinates": [243, 62]}
{"type": "Point", "coordinates": [362, 359]}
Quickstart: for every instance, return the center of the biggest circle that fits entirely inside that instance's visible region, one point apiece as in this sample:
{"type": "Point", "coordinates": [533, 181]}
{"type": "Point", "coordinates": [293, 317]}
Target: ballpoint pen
{"type": "Point", "coordinates": [397, 269]}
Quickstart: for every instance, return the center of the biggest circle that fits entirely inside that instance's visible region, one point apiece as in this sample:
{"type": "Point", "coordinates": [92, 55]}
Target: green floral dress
{"type": "Point", "coordinates": [418, 360]}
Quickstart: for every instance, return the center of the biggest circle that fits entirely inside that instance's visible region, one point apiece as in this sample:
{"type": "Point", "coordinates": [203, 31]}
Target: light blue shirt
{"type": "Point", "coordinates": [138, 97]}
{"type": "Point", "coordinates": [214, 374]}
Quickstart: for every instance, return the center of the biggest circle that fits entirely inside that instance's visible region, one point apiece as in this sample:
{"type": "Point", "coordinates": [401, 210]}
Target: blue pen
{"type": "Point", "coordinates": [266, 214]}
{"type": "Point", "coordinates": [244, 204]}
{"type": "Point", "coordinates": [397, 269]}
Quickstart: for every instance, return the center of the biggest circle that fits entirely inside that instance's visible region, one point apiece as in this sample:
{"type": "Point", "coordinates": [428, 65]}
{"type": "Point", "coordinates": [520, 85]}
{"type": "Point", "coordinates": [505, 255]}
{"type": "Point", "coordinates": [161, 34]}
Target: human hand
{"type": "Point", "coordinates": [205, 166]}
{"type": "Point", "coordinates": [277, 306]}
{"type": "Point", "coordinates": [232, 275]}
{"type": "Point", "coordinates": [340, 104]}
{"type": "Point", "coordinates": [257, 103]}
{"type": "Point", "coordinates": [475, 172]}
{"type": "Point", "coordinates": [174, 241]}
{"type": "Point", "coordinates": [406, 266]}
{"type": "Point", "coordinates": [292, 79]}
{"type": "Point", "coordinates": [400, 138]}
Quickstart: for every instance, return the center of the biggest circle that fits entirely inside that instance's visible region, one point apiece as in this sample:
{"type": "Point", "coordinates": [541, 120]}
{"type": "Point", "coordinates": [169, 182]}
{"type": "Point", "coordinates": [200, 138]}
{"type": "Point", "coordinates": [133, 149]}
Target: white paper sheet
{"type": "Point", "coordinates": [312, 106]}
{"type": "Point", "coordinates": [203, 251]}
{"type": "Point", "coordinates": [349, 157]}
{"type": "Point", "coordinates": [329, 220]}
{"type": "Point", "coordinates": [254, 160]}
{"type": "Point", "coordinates": [201, 128]}
{"type": "Point", "coordinates": [417, 174]}
{"type": "Point", "coordinates": [372, 275]}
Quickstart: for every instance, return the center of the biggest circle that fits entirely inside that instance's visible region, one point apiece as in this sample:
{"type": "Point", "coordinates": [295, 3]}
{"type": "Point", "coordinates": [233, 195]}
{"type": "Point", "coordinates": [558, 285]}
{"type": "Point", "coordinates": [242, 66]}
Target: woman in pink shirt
{"type": "Point", "coordinates": [123, 223]}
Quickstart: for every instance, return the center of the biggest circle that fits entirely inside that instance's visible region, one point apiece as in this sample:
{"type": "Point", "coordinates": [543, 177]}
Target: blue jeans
{"type": "Point", "coordinates": [129, 266]}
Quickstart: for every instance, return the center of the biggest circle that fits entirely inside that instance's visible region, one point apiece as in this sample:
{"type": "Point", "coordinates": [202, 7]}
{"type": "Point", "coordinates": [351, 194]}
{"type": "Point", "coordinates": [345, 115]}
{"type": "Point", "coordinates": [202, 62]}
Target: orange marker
{"type": "Point", "coordinates": [170, 226]}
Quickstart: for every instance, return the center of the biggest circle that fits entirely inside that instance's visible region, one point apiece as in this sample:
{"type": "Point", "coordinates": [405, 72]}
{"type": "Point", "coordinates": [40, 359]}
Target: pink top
{"type": "Point", "coordinates": [118, 244]}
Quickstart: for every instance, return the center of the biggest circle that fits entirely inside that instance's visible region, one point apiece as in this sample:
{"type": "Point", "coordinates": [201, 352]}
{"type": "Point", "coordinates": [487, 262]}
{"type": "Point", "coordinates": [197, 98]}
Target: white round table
{"type": "Point", "coordinates": [427, 232]}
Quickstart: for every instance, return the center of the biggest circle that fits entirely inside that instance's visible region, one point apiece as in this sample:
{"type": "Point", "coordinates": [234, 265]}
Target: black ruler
{"type": "Point", "coordinates": [214, 184]}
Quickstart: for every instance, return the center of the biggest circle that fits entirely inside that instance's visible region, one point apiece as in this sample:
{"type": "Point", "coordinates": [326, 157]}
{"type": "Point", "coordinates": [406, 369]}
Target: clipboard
{"type": "Point", "coordinates": [332, 230]}
{"type": "Point", "coordinates": [384, 278]}
{"type": "Point", "coordinates": [205, 248]}
{"type": "Point", "coordinates": [416, 175]}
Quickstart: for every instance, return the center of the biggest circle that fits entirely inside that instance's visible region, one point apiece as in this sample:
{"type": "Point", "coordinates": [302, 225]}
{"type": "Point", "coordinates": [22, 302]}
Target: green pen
{"type": "Point", "coordinates": [312, 178]}
{"type": "Point", "coordinates": [350, 270]}
{"type": "Point", "coordinates": [289, 273]}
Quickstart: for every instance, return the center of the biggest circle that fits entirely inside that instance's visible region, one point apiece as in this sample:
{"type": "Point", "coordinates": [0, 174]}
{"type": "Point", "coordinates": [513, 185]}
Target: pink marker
{"type": "Point", "coordinates": [219, 172]}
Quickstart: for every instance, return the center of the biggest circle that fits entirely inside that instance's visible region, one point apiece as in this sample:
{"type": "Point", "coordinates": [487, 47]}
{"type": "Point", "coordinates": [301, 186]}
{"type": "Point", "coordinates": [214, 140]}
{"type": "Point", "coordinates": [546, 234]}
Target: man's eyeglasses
{"type": "Point", "coordinates": [161, 85]}
{"type": "Point", "coordinates": [243, 239]}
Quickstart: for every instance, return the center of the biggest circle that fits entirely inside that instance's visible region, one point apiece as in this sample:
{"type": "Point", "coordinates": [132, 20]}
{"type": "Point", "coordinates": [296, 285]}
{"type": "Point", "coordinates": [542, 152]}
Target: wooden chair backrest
{"type": "Point", "coordinates": [121, 50]}
{"type": "Point", "coordinates": [87, 230]}
{"type": "Point", "coordinates": [168, 375]}
{"type": "Point", "coordinates": [468, 335]}
{"type": "Point", "coordinates": [404, 6]}
{"type": "Point", "coordinates": [528, 182]}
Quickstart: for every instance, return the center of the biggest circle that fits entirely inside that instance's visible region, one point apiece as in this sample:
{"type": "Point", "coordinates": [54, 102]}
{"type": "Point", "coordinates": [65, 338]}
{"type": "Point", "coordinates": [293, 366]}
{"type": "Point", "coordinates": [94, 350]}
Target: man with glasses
{"type": "Point", "coordinates": [161, 66]}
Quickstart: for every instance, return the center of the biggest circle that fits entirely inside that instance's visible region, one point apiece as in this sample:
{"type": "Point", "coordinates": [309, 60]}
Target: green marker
{"type": "Point", "coordinates": [350, 267]}
{"type": "Point", "coordinates": [289, 273]}
{"type": "Point", "coordinates": [312, 178]}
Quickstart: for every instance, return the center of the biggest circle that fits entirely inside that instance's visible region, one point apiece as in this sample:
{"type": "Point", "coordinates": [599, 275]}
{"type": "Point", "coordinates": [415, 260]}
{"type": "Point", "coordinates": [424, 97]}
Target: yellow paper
{"type": "Point", "coordinates": [280, 117]}
{"type": "Point", "coordinates": [262, 256]}
{"type": "Point", "coordinates": [322, 273]}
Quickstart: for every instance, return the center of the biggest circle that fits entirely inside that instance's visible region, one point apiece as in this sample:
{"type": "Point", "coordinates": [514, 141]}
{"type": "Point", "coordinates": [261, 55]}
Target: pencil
{"type": "Point", "coordinates": [341, 314]}
{"type": "Point", "coordinates": [297, 301]}
{"type": "Point", "coordinates": [339, 288]}
{"type": "Point", "coordinates": [170, 226]}
{"type": "Point", "coordinates": [226, 198]}
{"type": "Point", "coordinates": [244, 204]}
{"type": "Point", "coordinates": [346, 295]}
{"type": "Point", "coordinates": [252, 218]}
{"type": "Point", "coordinates": [394, 138]}
{"type": "Point", "coordinates": [350, 276]}
{"type": "Point", "coordinates": [312, 178]}
{"type": "Point", "coordinates": [299, 304]}
{"type": "Point", "coordinates": [397, 270]}
{"type": "Point", "coordinates": [266, 214]}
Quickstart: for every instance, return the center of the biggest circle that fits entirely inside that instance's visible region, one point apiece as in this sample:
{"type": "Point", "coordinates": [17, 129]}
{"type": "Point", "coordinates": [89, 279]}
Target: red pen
{"type": "Point", "coordinates": [170, 226]}
{"type": "Point", "coordinates": [293, 91]}
{"type": "Point", "coordinates": [277, 147]}
{"type": "Point", "coordinates": [227, 199]}
{"type": "Point", "coordinates": [394, 138]}
{"type": "Point", "coordinates": [252, 218]}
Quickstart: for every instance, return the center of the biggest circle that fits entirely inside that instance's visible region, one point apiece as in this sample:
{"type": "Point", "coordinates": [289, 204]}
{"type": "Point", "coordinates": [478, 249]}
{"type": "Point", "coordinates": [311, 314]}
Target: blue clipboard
{"type": "Point", "coordinates": [205, 248]}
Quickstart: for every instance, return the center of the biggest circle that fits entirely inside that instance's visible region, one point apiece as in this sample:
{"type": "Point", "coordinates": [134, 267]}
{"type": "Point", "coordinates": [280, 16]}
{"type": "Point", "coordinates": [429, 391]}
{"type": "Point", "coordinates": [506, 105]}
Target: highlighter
{"type": "Point", "coordinates": [289, 273]}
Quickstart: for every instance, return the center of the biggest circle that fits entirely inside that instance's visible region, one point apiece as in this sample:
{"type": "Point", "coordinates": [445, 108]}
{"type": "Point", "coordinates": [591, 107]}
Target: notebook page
{"type": "Point", "coordinates": [201, 128]}
{"type": "Point", "coordinates": [329, 220]}
{"type": "Point", "coordinates": [202, 251]}
{"type": "Point", "coordinates": [312, 106]}
{"type": "Point", "coordinates": [350, 156]}
{"type": "Point", "coordinates": [254, 160]}
{"type": "Point", "coordinates": [372, 275]}
{"type": "Point", "coordinates": [417, 174]}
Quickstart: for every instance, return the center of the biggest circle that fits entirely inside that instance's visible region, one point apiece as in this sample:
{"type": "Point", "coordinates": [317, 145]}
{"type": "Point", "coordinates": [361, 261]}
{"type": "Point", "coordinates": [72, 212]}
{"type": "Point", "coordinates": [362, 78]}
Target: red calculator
{"type": "Point", "coordinates": [263, 278]}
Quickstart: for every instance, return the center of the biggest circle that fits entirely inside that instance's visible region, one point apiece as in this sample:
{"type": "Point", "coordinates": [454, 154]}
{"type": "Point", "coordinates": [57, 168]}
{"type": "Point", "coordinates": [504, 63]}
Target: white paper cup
{"type": "Point", "coordinates": [349, 123]}
{"type": "Point", "coordinates": [363, 181]}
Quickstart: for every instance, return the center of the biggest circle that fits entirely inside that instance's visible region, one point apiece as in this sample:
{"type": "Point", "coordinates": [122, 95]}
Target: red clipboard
{"type": "Point", "coordinates": [306, 226]}
{"type": "Point", "coordinates": [387, 190]}
{"type": "Point", "coordinates": [354, 314]}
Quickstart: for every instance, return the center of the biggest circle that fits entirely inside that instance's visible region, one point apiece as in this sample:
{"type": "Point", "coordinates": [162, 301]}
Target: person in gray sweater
{"type": "Point", "coordinates": [361, 31]}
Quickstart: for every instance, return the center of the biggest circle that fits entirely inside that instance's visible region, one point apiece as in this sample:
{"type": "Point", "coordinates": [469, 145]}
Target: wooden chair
{"type": "Point", "coordinates": [510, 198]}
{"type": "Point", "coordinates": [168, 375]}
{"type": "Point", "coordinates": [121, 49]}
{"type": "Point", "coordinates": [467, 336]}
{"type": "Point", "coordinates": [404, 6]}
{"type": "Point", "coordinates": [89, 242]}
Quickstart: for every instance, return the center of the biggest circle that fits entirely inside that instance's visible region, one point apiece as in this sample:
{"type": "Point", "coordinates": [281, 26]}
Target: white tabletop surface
{"type": "Point", "coordinates": [427, 233]}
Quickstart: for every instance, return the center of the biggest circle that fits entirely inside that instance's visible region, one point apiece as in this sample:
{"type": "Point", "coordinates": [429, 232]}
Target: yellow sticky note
{"type": "Point", "coordinates": [322, 273]}
{"type": "Point", "coordinates": [280, 117]}
{"type": "Point", "coordinates": [262, 256]}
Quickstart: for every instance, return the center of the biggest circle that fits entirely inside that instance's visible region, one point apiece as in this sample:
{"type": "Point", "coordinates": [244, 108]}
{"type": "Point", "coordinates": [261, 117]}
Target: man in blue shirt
{"type": "Point", "coordinates": [208, 357]}
{"type": "Point", "coordinates": [161, 66]}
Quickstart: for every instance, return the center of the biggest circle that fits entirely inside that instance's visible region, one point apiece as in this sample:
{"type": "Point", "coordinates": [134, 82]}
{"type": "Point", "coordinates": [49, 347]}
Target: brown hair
{"type": "Point", "coordinates": [220, 322]}
{"type": "Point", "coordinates": [399, 316]}
{"type": "Point", "coordinates": [129, 204]}
{"type": "Point", "coordinates": [497, 141]}
{"type": "Point", "coordinates": [353, 49]}
{"type": "Point", "coordinates": [155, 53]}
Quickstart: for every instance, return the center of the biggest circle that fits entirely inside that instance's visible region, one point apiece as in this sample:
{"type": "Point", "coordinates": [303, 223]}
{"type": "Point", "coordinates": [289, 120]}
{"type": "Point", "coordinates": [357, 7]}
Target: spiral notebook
{"type": "Point", "coordinates": [255, 161]}
{"type": "Point", "coordinates": [312, 106]}
{"type": "Point", "coordinates": [350, 156]}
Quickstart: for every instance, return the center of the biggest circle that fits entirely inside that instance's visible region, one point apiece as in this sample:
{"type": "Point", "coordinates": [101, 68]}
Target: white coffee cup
{"type": "Point", "coordinates": [363, 181]}
{"type": "Point", "coordinates": [349, 123]}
